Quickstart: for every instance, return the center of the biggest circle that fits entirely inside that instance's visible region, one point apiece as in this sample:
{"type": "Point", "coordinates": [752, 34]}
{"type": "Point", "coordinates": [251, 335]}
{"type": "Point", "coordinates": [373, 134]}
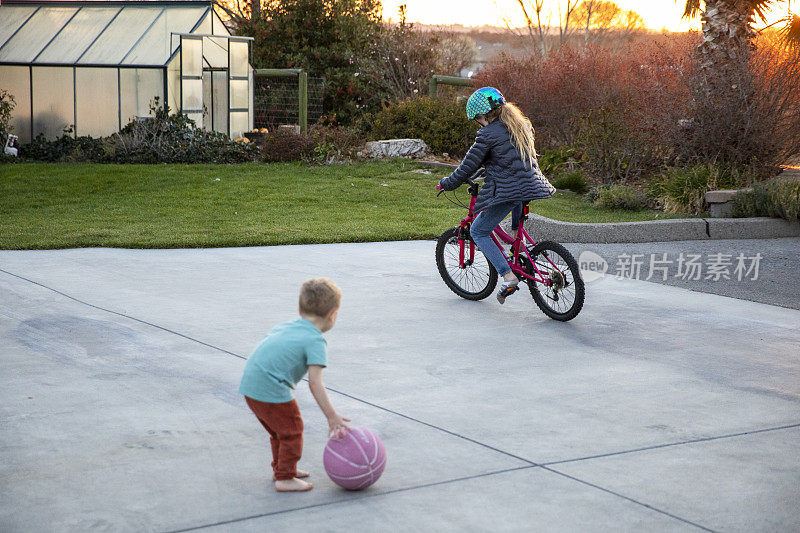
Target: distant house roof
{"type": "Point", "coordinates": [97, 32]}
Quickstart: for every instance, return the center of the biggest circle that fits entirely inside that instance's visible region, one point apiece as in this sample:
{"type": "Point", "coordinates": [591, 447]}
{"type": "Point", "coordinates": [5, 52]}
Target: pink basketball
{"type": "Point", "coordinates": [356, 460]}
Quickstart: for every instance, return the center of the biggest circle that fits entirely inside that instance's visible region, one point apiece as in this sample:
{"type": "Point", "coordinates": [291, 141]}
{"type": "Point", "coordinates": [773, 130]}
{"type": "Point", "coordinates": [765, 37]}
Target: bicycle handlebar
{"type": "Point", "coordinates": [478, 175]}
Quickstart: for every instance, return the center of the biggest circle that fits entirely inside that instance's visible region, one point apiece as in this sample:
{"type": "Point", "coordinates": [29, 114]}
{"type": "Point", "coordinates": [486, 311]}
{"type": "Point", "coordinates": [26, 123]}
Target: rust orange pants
{"type": "Point", "coordinates": [285, 427]}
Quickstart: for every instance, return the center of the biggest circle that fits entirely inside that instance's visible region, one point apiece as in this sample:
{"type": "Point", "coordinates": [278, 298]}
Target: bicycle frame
{"type": "Point", "coordinates": [514, 261]}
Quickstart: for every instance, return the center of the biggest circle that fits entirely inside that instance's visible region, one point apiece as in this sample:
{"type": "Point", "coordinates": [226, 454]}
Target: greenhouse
{"type": "Point", "coordinates": [95, 65]}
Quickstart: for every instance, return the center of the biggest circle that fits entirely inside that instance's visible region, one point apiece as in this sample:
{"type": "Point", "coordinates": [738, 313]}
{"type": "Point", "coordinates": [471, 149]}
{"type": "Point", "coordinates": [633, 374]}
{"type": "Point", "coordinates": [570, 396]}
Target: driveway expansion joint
{"type": "Point", "coordinates": [671, 444]}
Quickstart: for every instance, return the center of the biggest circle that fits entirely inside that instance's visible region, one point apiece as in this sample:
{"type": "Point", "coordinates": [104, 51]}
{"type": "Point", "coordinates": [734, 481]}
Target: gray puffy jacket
{"type": "Point", "coordinates": [508, 178]}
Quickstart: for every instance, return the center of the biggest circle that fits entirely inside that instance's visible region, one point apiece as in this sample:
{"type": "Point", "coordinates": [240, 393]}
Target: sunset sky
{"type": "Point", "coordinates": [657, 14]}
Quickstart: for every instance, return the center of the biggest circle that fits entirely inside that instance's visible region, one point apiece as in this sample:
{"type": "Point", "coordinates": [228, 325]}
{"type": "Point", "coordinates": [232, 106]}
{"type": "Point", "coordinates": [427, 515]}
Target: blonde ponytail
{"type": "Point", "coordinates": [521, 131]}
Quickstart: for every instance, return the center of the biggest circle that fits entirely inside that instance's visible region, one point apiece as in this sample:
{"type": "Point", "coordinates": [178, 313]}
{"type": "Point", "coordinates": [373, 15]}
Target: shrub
{"type": "Point", "coordinates": [440, 122]}
{"type": "Point", "coordinates": [402, 61]}
{"type": "Point", "coordinates": [322, 144]}
{"type": "Point", "coordinates": [683, 189]}
{"type": "Point", "coordinates": [161, 138]}
{"type": "Point", "coordinates": [572, 181]}
{"type": "Point", "coordinates": [333, 144]}
{"type": "Point", "coordinates": [174, 138]}
{"type": "Point", "coordinates": [620, 197]}
{"type": "Point", "coordinates": [283, 144]}
{"type": "Point", "coordinates": [643, 83]}
{"type": "Point", "coordinates": [67, 148]}
{"type": "Point", "coordinates": [556, 161]}
{"type": "Point", "coordinates": [745, 115]}
{"type": "Point", "coordinates": [593, 194]}
{"type": "Point", "coordinates": [777, 197]}
{"type": "Point", "coordinates": [612, 153]}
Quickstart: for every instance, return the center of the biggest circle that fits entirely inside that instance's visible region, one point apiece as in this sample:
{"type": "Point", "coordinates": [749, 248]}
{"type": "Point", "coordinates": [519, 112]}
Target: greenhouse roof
{"type": "Point", "coordinates": [96, 32]}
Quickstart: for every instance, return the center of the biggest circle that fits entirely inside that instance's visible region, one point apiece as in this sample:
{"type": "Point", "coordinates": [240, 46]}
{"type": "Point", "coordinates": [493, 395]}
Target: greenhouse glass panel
{"type": "Point", "coordinates": [42, 27]}
{"type": "Point", "coordinates": [73, 40]}
{"type": "Point", "coordinates": [14, 17]}
{"type": "Point", "coordinates": [192, 56]}
{"type": "Point", "coordinates": [220, 101]}
{"type": "Point", "coordinates": [17, 81]}
{"type": "Point", "coordinates": [192, 95]}
{"type": "Point", "coordinates": [174, 84]}
{"type": "Point", "coordinates": [217, 26]}
{"type": "Point", "coordinates": [205, 25]}
{"type": "Point", "coordinates": [239, 94]}
{"type": "Point", "coordinates": [96, 102]}
{"type": "Point", "coordinates": [121, 35]}
{"type": "Point", "coordinates": [138, 89]}
{"type": "Point", "coordinates": [158, 44]}
{"type": "Point", "coordinates": [239, 59]}
{"type": "Point", "coordinates": [215, 51]}
{"type": "Point", "coordinates": [239, 123]}
{"type": "Point", "coordinates": [53, 100]}
{"type": "Point", "coordinates": [197, 118]}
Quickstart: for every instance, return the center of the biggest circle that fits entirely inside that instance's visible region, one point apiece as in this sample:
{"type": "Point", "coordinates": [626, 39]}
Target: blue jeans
{"type": "Point", "coordinates": [483, 226]}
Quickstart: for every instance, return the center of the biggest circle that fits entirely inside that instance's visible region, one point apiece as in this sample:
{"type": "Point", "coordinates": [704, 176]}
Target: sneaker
{"type": "Point", "coordinates": [507, 289]}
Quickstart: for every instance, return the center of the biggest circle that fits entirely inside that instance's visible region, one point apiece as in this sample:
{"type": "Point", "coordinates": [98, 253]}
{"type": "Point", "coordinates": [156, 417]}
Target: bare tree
{"type": "Point", "coordinates": [455, 50]}
{"type": "Point", "coordinates": [585, 12]}
{"type": "Point", "coordinates": [601, 17]}
{"type": "Point", "coordinates": [239, 10]}
{"type": "Point", "coordinates": [630, 23]}
{"type": "Point", "coordinates": [536, 31]}
{"type": "Point", "coordinates": [564, 20]}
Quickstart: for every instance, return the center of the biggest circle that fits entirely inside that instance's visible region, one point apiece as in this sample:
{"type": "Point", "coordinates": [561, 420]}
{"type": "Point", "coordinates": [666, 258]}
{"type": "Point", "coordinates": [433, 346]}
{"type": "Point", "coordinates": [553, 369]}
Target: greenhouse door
{"type": "Point", "coordinates": [215, 99]}
{"type": "Point", "coordinates": [192, 78]}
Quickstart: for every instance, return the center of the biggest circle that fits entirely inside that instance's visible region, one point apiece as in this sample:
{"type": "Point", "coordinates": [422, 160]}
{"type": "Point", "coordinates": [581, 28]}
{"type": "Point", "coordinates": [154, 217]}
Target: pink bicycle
{"type": "Point", "coordinates": [549, 270]}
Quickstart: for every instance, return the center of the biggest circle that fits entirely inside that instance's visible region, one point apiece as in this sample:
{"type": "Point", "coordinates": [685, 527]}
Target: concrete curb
{"type": "Point", "coordinates": [676, 229]}
{"type": "Point", "coordinates": [680, 229]}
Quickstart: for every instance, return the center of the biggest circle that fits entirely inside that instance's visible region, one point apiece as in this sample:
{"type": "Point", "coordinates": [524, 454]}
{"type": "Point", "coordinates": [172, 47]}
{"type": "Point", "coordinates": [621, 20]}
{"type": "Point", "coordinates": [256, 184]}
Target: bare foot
{"type": "Point", "coordinates": [292, 485]}
{"type": "Point", "coordinates": [299, 474]}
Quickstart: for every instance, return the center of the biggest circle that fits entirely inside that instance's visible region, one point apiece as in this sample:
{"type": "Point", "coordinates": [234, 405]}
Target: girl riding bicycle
{"type": "Point", "coordinates": [505, 147]}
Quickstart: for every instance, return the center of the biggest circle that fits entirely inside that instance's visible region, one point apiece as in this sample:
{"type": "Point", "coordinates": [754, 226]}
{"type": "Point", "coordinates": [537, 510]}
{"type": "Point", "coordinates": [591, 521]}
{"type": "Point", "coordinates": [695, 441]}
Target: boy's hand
{"type": "Point", "coordinates": [439, 186]}
{"type": "Point", "coordinates": [337, 426]}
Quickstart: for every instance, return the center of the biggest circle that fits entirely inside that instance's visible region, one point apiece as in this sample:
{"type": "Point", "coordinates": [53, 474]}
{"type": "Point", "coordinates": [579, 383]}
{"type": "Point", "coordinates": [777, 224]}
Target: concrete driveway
{"type": "Point", "coordinates": [657, 409]}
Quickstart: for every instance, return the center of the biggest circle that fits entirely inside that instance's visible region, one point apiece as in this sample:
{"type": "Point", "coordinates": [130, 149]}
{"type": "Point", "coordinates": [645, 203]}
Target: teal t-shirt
{"type": "Point", "coordinates": [281, 360]}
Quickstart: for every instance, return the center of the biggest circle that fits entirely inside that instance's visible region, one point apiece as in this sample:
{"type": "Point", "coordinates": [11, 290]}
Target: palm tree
{"type": "Point", "coordinates": [729, 107]}
{"type": "Point", "coordinates": [728, 28]}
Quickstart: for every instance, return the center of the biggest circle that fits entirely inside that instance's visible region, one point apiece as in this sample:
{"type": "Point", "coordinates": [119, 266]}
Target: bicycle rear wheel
{"type": "Point", "coordinates": [563, 299]}
{"type": "Point", "coordinates": [476, 280]}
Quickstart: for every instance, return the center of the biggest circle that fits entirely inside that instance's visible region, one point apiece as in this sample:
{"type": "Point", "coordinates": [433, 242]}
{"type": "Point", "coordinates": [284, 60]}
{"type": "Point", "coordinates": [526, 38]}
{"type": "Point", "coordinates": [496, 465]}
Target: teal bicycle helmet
{"type": "Point", "coordinates": [484, 100]}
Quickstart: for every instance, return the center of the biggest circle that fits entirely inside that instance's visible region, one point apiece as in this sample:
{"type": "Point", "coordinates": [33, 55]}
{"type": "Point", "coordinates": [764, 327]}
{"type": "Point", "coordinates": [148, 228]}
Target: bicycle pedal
{"type": "Point", "coordinates": [505, 292]}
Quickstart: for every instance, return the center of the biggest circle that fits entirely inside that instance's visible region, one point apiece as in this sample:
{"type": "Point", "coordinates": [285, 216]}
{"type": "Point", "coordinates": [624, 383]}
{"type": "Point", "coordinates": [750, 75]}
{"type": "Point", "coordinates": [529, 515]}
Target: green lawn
{"type": "Point", "coordinates": [166, 206]}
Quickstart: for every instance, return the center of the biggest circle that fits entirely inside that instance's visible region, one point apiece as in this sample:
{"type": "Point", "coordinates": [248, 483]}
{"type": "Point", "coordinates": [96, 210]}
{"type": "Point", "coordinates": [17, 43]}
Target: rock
{"type": "Point", "coordinates": [720, 203]}
{"type": "Point", "coordinates": [294, 128]}
{"type": "Point", "coordinates": [397, 148]}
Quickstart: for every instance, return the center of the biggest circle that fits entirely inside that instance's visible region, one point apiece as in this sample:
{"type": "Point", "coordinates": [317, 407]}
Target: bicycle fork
{"type": "Point", "coordinates": [464, 262]}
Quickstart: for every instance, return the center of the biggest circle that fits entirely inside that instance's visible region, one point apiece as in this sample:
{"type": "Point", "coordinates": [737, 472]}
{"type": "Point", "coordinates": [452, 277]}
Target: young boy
{"type": "Point", "coordinates": [278, 364]}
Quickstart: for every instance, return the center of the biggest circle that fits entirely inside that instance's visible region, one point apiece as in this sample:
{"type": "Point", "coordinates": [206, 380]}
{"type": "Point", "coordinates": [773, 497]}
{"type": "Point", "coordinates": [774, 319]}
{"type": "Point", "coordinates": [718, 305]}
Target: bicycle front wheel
{"type": "Point", "coordinates": [476, 279]}
{"type": "Point", "coordinates": [562, 298]}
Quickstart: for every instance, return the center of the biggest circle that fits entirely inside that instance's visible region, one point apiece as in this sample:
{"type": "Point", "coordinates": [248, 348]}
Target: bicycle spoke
{"type": "Point", "coordinates": [551, 267]}
{"type": "Point", "coordinates": [474, 277]}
